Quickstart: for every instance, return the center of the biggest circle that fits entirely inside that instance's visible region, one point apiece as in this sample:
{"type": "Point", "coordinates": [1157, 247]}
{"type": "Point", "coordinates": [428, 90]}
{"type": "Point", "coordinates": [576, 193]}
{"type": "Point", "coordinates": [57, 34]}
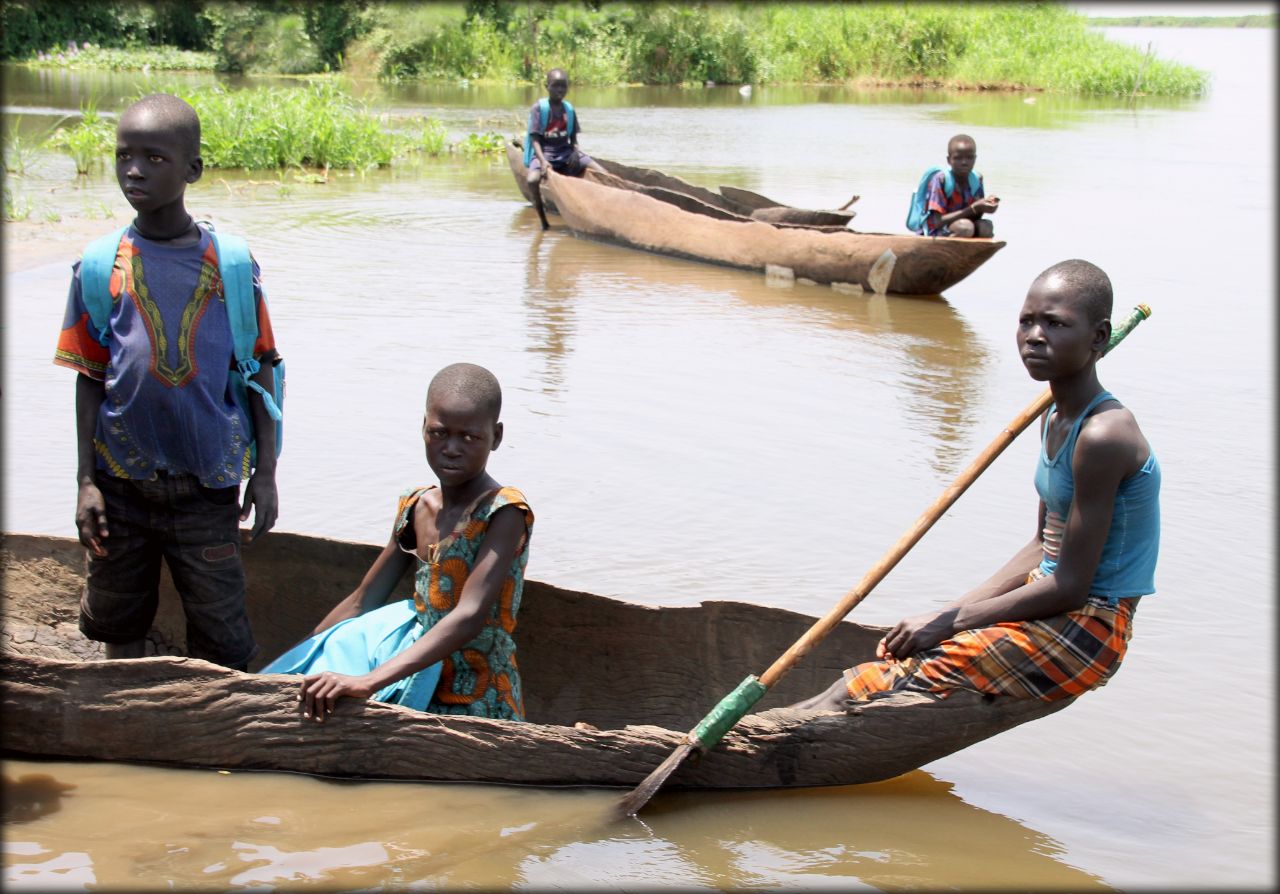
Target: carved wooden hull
{"type": "Point", "coordinates": [640, 675]}
{"type": "Point", "coordinates": [880, 263]}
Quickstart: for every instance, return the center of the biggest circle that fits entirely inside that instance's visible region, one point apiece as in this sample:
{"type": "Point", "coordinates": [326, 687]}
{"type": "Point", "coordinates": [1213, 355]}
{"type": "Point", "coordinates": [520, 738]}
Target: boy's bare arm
{"type": "Point", "coordinates": [260, 495]}
{"type": "Point", "coordinates": [91, 510]}
{"type": "Point", "coordinates": [537, 150]}
{"type": "Point", "coordinates": [972, 211]}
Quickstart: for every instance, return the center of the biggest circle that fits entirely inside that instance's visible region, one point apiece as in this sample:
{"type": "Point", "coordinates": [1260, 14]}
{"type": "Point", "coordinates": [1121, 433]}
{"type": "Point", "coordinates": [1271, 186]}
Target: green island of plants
{"type": "Point", "coordinates": [316, 125]}
{"type": "Point", "coordinates": [997, 45]}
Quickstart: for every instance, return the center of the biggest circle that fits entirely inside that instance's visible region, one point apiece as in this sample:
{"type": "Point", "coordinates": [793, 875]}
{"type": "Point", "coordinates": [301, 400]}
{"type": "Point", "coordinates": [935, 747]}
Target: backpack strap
{"type": "Point", "coordinates": [235, 266]}
{"type": "Point", "coordinates": [569, 118]}
{"type": "Point", "coordinates": [544, 112]}
{"type": "Point", "coordinates": [95, 281]}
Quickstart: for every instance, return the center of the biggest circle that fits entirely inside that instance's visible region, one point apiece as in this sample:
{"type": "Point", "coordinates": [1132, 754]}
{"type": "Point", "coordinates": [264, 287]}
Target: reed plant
{"type": "Point", "coordinates": [316, 125]}
{"type": "Point", "coordinates": [91, 139]}
{"type": "Point", "coordinates": [477, 145]}
{"type": "Point", "coordinates": [432, 138]}
{"type": "Point", "coordinates": [18, 150]}
{"type": "Point", "coordinates": [17, 208]}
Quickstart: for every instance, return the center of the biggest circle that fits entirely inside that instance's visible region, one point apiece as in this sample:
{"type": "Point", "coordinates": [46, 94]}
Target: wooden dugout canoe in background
{"type": "Point", "coordinates": [879, 262]}
{"type": "Point", "coordinates": [641, 675]}
{"type": "Point", "coordinates": [740, 205]}
{"type": "Point", "coordinates": [666, 215]}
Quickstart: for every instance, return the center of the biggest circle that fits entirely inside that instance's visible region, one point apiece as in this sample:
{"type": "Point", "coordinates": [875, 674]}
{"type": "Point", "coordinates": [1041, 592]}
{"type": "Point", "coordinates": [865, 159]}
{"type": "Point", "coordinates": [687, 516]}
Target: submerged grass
{"type": "Point", "coordinates": [159, 58]}
{"type": "Point", "coordinates": [316, 125]}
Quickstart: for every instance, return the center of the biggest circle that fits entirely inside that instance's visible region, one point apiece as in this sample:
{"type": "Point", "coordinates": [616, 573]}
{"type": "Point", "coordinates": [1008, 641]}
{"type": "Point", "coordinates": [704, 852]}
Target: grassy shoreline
{"type": "Point", "coordinates": [961, 46]}
{"type": "Point", "coordinates": [1261, 20]}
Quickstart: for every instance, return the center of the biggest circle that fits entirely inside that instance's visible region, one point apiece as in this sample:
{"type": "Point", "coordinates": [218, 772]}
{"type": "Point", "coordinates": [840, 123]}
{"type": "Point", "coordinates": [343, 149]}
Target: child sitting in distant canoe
{"type": "Point", "coordinates": [1055, 620]}
{"type": "Point", "coordinates": [449, 649]}
{"type": "Point", "coordinates": [551, 141]}
{"type": "Point", "coordinates": [952, 202]}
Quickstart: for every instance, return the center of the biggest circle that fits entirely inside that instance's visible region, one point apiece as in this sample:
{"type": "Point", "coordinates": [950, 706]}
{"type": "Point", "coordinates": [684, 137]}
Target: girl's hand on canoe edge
{"type": "Point", "coordinates": [320, 692]}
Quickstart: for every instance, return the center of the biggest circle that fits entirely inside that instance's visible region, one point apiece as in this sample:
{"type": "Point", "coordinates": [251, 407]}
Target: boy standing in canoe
{"type": "Point", "coordinates": [162, 444]}
{"type": "Point", "coordinates": [1055, 620]}
{"type": "Point", "coordinates": [449, 649]}
{"type": "Point", "coordinates": [952, 202]}
{"type": "Point", "coordinates": [551, 139]}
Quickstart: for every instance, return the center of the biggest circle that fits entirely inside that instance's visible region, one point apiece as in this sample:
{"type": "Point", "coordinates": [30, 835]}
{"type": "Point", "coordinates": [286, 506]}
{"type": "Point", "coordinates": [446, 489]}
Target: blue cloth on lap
{"type": "Point", "coordinates": [358, 645]}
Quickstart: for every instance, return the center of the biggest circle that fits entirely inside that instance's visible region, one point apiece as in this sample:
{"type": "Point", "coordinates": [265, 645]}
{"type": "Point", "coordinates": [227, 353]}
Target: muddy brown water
{"type": "Point", "coordinates": [687, 432]}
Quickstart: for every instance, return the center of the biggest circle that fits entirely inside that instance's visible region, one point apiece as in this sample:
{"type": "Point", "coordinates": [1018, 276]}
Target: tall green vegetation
{"type": "Point", "coordinates": [963, 45]}
{"type": "Point", "coordinates": [318, 125]}
{"type": "Point", "coordinates": [315, 125]}
{"type": "Point", "coordinates": [1019, 45]}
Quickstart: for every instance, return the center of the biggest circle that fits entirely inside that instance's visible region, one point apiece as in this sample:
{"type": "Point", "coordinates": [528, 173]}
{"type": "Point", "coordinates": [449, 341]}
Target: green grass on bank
{"type": "Point", "coordinates": [1038, 46]}
{"type": "Point", "coordinates": [317, 125]}
{"type": "Point", "coordinates": [962, 45]}
{"type": "Point", "coordinates": [1260, 20]}
{"type": "Point", "coordinates": [89, 56]}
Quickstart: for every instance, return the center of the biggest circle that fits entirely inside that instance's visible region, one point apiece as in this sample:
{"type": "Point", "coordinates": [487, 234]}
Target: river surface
{"type": "Point", "coordinates": [687, 432]}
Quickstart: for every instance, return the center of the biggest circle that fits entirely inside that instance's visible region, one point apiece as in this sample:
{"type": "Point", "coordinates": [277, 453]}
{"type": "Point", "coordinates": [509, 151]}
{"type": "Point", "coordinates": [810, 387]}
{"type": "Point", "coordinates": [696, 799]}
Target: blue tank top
{"type": "Point", "coordinates": [1128, 563]}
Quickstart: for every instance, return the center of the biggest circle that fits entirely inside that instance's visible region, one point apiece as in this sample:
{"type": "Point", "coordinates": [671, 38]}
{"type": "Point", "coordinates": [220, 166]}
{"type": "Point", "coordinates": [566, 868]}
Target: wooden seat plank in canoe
{"type": "Point", "coordinates": [641, 675]}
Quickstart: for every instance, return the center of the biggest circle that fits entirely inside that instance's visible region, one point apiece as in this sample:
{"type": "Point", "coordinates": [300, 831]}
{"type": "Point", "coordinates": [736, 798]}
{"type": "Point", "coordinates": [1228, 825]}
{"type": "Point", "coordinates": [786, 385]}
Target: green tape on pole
{"type": "Point", "coordinates": [1125, 326]}
{"type": "Point", "coordinates": [730, 710]}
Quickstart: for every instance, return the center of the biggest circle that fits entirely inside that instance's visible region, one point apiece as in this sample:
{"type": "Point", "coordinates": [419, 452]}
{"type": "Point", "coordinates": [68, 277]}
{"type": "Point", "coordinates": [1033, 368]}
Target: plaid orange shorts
{"type": "Point", "coordinates": [1052, 658]}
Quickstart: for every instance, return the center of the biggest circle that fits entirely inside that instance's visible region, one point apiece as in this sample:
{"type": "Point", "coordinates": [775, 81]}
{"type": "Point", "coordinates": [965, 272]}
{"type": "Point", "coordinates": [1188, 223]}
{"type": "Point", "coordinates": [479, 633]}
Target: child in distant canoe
{"type": "Point", "coordinates": [1055, 620]}
{"type": "Point", "coordinates": [952, 203]}
{"type": "Point", "coordinates": [449, 649]}
{"type": "Point", "coordinates": [551, 141]}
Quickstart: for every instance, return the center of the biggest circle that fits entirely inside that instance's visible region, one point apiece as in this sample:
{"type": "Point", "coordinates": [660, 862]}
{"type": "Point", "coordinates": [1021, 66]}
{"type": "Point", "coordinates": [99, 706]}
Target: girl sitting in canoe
{"type": "Point", "coordinates": [1054, 621]}
{"type": "Point", "coordinates": [449, 649]}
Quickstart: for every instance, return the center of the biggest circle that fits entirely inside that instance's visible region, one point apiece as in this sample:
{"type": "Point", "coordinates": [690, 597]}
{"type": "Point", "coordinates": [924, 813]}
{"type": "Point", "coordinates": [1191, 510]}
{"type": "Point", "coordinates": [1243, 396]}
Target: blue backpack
{"type": "Point", "coordinates": [917, 213]}
{"type": "Point", "coordinates": [544, 112]}
{"type": "Point", "coordinates": [236, 269]}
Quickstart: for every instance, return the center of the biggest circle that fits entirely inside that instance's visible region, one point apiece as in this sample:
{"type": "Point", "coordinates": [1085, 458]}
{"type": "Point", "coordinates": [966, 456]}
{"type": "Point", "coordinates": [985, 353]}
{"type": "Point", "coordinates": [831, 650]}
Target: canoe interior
{"type": "Point", "coordinates": [582, 657]}
{"type": "Point", "coordinates": [685, 195]}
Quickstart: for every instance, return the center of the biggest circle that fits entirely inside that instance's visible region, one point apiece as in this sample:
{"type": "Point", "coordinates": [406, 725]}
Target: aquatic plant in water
{"type": "Point", "coordinates": [88, 141]}
{"type": "Point", "coordinates": [481, 144]}
{"type": "Point", "coordinates": [316, 125]}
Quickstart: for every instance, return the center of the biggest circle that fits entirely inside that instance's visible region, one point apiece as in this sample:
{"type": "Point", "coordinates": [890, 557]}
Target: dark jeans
{"type": "Point", "coordinates": [196, 530]}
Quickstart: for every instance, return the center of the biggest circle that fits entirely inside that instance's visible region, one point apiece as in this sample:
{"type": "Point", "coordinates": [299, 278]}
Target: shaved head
{"type": "Point", "coordinates": [1085, 282]}
{"type": "Point", "coordinates": [473, 384]}
{"type": "Point", "coordinates": [169, 113]}
{"type": "Point", "coordinates": [959, 140]}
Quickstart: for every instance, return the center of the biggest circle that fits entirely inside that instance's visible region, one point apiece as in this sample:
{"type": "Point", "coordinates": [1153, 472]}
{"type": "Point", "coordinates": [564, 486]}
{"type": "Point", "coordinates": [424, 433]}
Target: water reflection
{"type": "Point", "coordinates": [32, 796]}
{"type": "Point", "coordinates": [250, 830]}
{"type": "Point", "coordinates": [938, 356]}
{"type": "Point", "coordinates": [549, 296]}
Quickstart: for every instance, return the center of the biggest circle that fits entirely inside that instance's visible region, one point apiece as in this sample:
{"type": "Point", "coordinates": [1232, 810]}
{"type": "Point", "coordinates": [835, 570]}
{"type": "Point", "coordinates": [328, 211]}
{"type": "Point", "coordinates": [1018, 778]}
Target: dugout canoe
{"type": "Point", "coordinates": [728, 204]}
{"type": "Point", "coordinates": [640, 675]}
{"type": "Point", "coordinates": [881, 263]}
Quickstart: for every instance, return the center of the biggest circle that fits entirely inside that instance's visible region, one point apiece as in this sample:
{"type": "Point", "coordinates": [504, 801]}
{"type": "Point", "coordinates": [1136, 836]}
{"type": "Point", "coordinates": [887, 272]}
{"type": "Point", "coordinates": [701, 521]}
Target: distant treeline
{"type": "Point", "coordinates": [965, 45]}
{"type": "Point", "coordinates": [1259, 20]}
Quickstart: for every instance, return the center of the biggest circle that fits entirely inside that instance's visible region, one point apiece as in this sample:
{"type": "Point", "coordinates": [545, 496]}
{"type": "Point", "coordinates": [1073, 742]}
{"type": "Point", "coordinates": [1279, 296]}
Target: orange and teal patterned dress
{"type": "Point", "coordinates": [480, 679]}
